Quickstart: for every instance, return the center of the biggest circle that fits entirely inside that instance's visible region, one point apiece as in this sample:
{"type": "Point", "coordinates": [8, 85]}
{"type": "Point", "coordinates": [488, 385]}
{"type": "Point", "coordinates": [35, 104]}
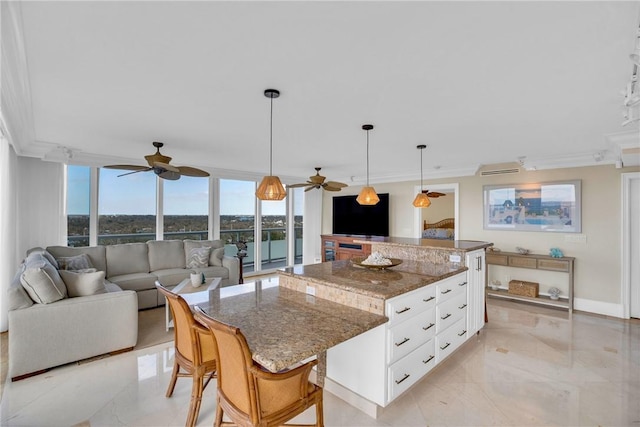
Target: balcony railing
{"type": "Point", "coordinates": [274, 252]}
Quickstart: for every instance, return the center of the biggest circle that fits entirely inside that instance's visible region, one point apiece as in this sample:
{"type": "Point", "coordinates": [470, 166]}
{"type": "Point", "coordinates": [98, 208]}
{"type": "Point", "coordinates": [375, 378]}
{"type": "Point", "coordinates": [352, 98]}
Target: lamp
{"type": "Point", "coordinates": [421, 200]}
{"type": "Point", "coordinates": [271, 188]}
{"type": "Point", "coordinates": [367, 196]}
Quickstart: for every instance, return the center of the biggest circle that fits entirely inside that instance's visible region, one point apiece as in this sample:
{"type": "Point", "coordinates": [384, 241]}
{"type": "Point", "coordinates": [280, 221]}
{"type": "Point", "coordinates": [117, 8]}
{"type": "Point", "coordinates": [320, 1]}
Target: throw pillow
{"type": "Point", "coordinates": [83, 284]}
{"type": "Point", "coordinates": [198, 257]}
{"type": "Point", "coordinates": [429, 233]}
{"type": "Point", "coordinates": [78, 262]}
{"type": "Point", "coordinates": [42, 281]}
{"type": "Point", "coordinates": [17, 296]}
{"type": "Point", "coordinates": [216, 257]}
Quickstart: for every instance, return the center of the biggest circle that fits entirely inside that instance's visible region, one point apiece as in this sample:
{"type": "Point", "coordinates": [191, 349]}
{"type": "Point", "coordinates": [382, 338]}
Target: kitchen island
{"type": "Point", "coordinates": [434, 303]}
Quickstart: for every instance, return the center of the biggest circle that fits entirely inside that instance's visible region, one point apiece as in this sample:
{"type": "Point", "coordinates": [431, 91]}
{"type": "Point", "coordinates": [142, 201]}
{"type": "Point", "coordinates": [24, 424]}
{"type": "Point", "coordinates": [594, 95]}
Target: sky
{"type": "Point", "coordinates": [135, 194]}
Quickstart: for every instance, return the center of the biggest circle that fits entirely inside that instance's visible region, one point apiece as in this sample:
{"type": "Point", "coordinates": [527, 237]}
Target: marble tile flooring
{"type": "Point", "coordinates": [530, 366]}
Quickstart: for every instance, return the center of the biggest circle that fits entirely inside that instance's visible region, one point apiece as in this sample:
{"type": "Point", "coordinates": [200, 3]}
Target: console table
{"type": "Point", "coordinates": [538, 262]}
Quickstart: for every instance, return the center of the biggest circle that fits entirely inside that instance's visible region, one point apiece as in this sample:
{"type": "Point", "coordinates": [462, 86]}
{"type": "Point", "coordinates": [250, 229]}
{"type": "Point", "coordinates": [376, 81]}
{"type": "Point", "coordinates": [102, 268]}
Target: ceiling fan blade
{"type": "Point", "coordinates": [311, 187]}
{"type": "Point", "coordinates": [336, 184]}
{"type": "Point", "coordinates": [330, 188]}
{"type": "Point", "coordinates": [435, 194]}
{"type": "Point", "coordinates": [302, 184]}
{"type": "Point", "coordinates": [139, 170]}
{"type": "Point", "coordinates": [127, 167]}
{"type": "Point", "coordinates": [166, 166]}
{"type": "Point", "coordinates": [189, 171]}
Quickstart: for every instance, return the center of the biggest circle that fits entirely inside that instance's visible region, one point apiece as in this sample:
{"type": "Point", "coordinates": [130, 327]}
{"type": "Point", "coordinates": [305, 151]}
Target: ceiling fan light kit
{"type": "Point", "coordinates": [270, 187]}
{"type": "Point", "coordinates": [368, 195]}
{"type": "Point", "coordinates": [421, 200]}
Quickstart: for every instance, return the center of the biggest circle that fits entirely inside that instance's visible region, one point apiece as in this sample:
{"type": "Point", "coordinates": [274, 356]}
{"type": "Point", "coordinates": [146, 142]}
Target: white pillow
{"type": "Point", "coordinates": [83, 284]}
{"type": "Point", "coordinates": [198, 257]}
{"type": "Point", "coordinates": [78, 262]}
{"type": "Point", "coordinates": [42, 281]}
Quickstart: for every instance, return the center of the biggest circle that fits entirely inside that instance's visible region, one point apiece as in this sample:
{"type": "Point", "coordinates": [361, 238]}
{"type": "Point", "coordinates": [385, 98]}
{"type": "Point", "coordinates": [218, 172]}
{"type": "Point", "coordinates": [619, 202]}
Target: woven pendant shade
{"type": "Point", "coordinates": [368, 197]}
{"type": "Point", "coordinates": [421, 201]}
{"type": "Point", "coordinates": [271, 188]}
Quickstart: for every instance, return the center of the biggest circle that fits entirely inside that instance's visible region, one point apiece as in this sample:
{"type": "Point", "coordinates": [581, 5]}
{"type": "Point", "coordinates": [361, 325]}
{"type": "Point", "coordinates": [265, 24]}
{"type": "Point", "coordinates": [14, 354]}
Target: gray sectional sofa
{"type": "Point", "coordinates": [68, 304]}
{"type": "Point", "coordinates": [137, 266]}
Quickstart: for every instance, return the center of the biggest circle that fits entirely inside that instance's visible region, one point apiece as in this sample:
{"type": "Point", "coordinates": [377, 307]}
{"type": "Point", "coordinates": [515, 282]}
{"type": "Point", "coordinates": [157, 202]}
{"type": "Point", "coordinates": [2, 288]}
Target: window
{"type": "Point", "coordinates": [126, 207]}
{"type": "Point", "coordinates": [274, 227]}
{"type": "Point", "coordinates": [237, 218]}
{"type": "Point", "coordinates": [78, 204]}
{"type": "Point", "coordinates": [186, 208]}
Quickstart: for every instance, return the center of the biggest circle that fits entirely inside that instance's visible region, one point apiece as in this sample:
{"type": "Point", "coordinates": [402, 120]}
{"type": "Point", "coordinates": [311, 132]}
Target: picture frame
{"type": "Point", "coordinates": [543, 206]}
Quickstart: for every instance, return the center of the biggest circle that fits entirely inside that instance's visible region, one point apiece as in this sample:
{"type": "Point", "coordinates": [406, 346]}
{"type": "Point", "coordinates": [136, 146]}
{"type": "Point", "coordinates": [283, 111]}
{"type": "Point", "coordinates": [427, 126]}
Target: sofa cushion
{"type": "Point", "coordinates": [78, 262]}
{"type": "Point", "coordinates": [135, 281]}
{"type": "Point", "coordinates": [83, 284]}
{"type": "Point", "coordinates": [111, 287]}
{"type": "Point", "coordinates": [42, 281]}
{"type": "Point", "coordinates": [198, 257]}
{"type": "Point", "coordinates": [16, 294]}
{"type": "Point", "coordinates": [127, 258]}
{"type": "Point", "coordinates": [164, 254]}
{"type": "Point", "coordinates": [97, 254]}
{"type": "Point", "coordinates": [213, 271]}
{"type": "Point", "coordinates": [172, 276]}
{"type": "Point", "coordinates": [215, 258]}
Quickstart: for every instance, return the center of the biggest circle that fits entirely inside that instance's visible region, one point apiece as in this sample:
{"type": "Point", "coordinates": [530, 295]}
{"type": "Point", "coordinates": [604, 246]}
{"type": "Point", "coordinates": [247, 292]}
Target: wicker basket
{"type": "Point", "coordinates": [520, 287]}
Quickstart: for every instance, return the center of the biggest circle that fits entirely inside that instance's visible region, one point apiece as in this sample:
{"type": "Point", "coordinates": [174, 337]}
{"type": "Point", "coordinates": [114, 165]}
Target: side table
{"type": "Point", "coordinates": [191, 295]}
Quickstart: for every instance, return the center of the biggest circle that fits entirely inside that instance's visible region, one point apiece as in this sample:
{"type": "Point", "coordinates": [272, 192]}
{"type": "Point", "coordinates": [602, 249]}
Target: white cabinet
{"type": "Point", "coordinates": [475, 261]}
{"type": "Point", "coordinates": [425, 326]}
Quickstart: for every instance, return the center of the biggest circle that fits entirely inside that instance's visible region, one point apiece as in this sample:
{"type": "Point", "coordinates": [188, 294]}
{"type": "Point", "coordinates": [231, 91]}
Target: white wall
{"type": "Point", "coordinates": [41, 211]}
{"type": "Point", "coordinates": [598, 261]}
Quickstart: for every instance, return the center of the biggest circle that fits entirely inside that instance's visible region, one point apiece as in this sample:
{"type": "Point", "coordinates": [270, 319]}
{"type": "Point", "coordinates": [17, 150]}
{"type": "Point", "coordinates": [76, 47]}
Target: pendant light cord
{"type": "Point", "coordinates": [271, 139]}
{"type": "Point", "coordinates": [421, 186]}
{"type": "Point", "coordinates": [367, 157]}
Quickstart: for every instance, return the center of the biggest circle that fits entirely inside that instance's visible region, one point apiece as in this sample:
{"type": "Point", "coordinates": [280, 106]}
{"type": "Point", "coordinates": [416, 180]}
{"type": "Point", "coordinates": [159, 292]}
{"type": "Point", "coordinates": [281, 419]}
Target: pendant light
{"type": "Point", "coordinates": [421, 200]}
{"type": "Point", "coordinates": [367, 196]}
{"type": "Point", "coordinates": [271, 188]}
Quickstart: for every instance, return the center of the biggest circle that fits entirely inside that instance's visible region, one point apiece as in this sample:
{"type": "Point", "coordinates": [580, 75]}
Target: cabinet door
{"type": "Point", "coordinates": [475, 290]}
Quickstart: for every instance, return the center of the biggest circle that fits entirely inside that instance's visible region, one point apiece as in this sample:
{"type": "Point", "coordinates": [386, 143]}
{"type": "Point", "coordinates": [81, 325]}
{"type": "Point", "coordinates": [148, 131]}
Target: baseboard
{"type": "Point", "coordinates": [599, 307]}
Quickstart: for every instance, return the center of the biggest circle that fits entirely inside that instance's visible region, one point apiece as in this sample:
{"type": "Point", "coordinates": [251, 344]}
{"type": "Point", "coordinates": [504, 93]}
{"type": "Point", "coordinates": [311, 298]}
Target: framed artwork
{"type": "Point", "coordinates": [547, 206]}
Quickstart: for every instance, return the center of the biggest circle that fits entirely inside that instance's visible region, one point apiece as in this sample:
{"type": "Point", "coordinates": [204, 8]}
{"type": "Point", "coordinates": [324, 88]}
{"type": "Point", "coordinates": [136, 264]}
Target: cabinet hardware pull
{"type": "Point", "coordinates": [428, 360]}
{"type": "Point", "coordinates": [431, 325]}
{"type": "Point", "coordinates": [462, 333]}
{"type": "Point", "coordinates": [446, 316]}
{"type": "Point", "coordinates": [479, 264]}
{"type": "Point", "coordinates": [403, 310]}
{"type": "Point", "coordinates": [446, 345]}
{"type": "Point", "coordinates": [403, 378]}
{"type": "Point", "coordinates": [398, 344]}
{"type": "Point", "coordinates": [462, 284]}
{"type": "Point", "coordinates": [462, 306]}
{"type": "Point", "coordinates": [445, 292]}
{"type": "Point", "coordinates": [428, 299]}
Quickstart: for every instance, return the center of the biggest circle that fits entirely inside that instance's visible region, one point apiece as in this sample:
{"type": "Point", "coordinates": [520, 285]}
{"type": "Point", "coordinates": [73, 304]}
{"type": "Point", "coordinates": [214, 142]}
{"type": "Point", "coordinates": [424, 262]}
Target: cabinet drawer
{"type": "Point", "coordinates": [450, 311]}
{"type": "Point", "coordinates": [403, 307]}
{"type": "Point", "coordinates": [497, 259]}
{"type": "Point", "coordinates": [405, 372]}
{"type": "Point", "coordinates": [450, 339]}
{"type": "Point", "coordinates": [518, 261]}
{"type": "Point", "coordinates": [554, 265]}
{"type": "Point", "coordinates": [450, 287]}
{"type": "Point", "coordinates": [406, 336]}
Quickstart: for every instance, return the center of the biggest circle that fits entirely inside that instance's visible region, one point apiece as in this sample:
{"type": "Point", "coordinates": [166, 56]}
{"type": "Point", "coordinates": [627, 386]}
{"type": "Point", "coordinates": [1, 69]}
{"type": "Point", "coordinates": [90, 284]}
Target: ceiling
{"type": "Point", "coordinates": [478, 82]}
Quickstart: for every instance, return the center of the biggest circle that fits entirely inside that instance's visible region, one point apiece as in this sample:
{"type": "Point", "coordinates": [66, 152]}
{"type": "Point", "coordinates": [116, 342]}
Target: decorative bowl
{"type": "Point", "coordinates": [358, 262]}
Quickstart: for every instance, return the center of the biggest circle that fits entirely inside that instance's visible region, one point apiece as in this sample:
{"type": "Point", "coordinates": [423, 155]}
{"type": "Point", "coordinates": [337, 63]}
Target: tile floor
{"type": "Point", "coordinates": [529, 366]}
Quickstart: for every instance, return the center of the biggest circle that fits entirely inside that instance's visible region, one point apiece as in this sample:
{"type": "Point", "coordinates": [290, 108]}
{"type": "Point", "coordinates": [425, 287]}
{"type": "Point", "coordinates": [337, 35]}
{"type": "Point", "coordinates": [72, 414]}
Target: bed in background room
{"type": "Point", "coordinates": [442, 230]}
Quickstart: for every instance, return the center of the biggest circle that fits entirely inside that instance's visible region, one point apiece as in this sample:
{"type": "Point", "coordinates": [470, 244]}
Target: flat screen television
{"type": "Point", "coordinates": [349, 217]}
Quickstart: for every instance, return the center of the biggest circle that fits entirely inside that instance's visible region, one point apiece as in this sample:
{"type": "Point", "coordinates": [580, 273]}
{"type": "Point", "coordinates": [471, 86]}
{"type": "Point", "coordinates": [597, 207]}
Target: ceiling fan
{"type": "Point", "coordinates": [159, 164]}
{"type": "Point", "coordinates": [433, 194]}
{"type": "Point", "coordinates": [317, 181]}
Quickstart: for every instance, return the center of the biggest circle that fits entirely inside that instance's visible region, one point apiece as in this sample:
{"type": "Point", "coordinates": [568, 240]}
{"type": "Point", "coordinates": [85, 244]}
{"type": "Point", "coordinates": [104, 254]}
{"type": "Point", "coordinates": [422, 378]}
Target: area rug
{"type": "Point", "coordinates": [151, 328]}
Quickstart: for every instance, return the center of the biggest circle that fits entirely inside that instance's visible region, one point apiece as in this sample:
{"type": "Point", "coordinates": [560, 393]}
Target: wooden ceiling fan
{"type": "Point", "coordinates": [433, 194]}
{"type": "Point", "coordinates": [317, 181]}
{"type": "Point", "coordinates": [159, 164]}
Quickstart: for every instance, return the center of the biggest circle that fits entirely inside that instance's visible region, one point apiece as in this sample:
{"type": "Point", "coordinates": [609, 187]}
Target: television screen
{"type": "Point", "coordinates": [349, 217]}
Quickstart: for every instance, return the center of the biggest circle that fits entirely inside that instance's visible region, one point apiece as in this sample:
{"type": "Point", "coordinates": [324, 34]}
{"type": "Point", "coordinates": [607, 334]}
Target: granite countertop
{"type": "Point", "coordinates": [283, 326]}
{"type": "Point", "coordinates": [457, 245]}
{"type": "Point", "coordinates": [383, 284]}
